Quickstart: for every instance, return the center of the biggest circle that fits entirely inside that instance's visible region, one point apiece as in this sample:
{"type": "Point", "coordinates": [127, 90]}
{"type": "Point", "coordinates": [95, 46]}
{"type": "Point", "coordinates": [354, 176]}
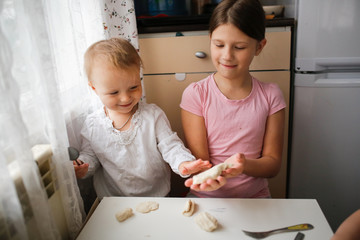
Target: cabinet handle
{"type": "Point", "coordinates": [200, 54]}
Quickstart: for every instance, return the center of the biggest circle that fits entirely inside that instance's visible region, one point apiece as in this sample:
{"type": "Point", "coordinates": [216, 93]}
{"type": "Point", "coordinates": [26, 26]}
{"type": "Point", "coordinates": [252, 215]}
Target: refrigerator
{"type": "Point", "coordinates": [325, 146]}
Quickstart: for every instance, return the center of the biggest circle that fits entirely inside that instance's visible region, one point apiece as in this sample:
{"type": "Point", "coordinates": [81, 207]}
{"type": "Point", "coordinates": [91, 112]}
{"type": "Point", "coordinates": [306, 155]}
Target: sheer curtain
{"type": "Point", "coordinates": [43, 95]}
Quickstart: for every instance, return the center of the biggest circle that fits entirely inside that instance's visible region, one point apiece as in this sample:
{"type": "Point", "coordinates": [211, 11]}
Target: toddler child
{"type": "Point", "coordinates": [127, 144]}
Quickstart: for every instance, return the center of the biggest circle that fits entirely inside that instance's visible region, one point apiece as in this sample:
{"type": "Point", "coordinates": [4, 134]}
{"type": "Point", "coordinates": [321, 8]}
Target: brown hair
{"type": "Point", "coordinates": [116, 51]}
{"type": "Point", "coordinates": [246, 15]}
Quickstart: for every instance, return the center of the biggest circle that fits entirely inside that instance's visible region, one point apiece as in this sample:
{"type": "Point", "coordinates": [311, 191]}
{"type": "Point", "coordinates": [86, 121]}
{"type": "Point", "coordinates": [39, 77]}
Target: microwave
{"type": "Point", "coordinates": [168, 8]}
{"type": "Point", "coordinates": [152, 8]}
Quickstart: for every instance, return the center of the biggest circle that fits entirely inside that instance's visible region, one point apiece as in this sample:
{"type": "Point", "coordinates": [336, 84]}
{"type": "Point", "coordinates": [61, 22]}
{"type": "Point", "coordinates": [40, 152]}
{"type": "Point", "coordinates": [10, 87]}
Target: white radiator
{"type": "Point", "coordinates": [43, 157]}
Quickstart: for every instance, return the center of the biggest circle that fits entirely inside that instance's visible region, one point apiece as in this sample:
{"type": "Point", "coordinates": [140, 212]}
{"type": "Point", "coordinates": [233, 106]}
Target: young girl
{"type": "Point", "coordinates": [127, 143]}
{"type": "Point", "coordinates": [231, 114]}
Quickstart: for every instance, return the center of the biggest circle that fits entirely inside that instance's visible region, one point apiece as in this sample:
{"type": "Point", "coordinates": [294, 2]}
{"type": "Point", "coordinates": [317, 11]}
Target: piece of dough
{"type": "Point", "coordinates": [146, 207]}
{"type": "Point", "coordinates": [189, 208]}
{"type": "Point", "coordinates": [124, 214]}
{"type": "Point", "coordinates": [206, 222]}
{"type": "Point", "coordinates": [211, 173]}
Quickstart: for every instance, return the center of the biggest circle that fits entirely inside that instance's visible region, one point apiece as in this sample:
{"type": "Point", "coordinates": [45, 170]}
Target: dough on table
{"type": "Point", "coordinates": [211, 173]}
{"type": "Point", "coordinates": [124, 214]}
{"type": "Point", "coordinates": [206, 222]}
{"type": "Point", "coordinates": [145, 207]}
{"type": "Point", "coordinates": [189, 208]}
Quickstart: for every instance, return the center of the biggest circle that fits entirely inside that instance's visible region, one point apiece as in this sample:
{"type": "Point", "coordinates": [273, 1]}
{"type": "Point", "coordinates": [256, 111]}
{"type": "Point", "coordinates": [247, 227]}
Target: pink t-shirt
{"type": "Point", "coordinates": [234, 126]}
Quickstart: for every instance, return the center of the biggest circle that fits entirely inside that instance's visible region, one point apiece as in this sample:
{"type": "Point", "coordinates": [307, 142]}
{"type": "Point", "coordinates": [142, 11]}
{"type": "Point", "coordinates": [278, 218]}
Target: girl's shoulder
{"type": "Point", "coordinates": [203, 83]}
{"type": "Point", "coordinates": [201, 86]}
{"type": "Point", "coordinates": [271, 92]}
{"type": "Point", "coordinates": [267, 87]}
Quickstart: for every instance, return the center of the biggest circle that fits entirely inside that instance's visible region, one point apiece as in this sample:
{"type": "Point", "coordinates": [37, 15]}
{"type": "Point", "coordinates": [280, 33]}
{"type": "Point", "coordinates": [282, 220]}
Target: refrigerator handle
{"type": "Point", "coordinates": [322, 64]}
{"type": "Point", "coordinates": [345, 79]}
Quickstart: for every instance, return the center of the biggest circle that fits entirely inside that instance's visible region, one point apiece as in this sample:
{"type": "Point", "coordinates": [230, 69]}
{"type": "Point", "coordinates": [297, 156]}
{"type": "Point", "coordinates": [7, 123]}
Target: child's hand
{"type": "Point", "coordinates": [208, 185]}
{"type": "Point", "coordinates": [238, 162]}
{"type": "Point", "coordinates": [80, 169]}
{"type": "Point", "coordinates": [192, 167]}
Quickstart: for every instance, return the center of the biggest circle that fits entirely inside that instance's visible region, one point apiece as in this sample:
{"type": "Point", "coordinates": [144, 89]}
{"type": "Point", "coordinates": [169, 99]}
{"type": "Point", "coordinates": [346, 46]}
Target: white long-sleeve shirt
{"type": "Point", "coordinates": [132, 162]}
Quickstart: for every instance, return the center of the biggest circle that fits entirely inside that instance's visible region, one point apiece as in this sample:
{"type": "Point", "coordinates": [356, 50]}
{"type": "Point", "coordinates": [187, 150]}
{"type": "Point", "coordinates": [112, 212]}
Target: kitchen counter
{"type": "Point", "coordinates": [233, 215]}
{"type": "Point", "coordinates": [192, 23]}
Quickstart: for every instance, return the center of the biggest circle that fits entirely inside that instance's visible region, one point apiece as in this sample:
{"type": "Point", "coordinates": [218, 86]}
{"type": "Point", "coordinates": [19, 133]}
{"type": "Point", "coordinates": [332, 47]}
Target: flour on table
{"type": "Point", "coordinates": [124, 214]}
{"type": "Point", "coordinates": [206, 222]}
{"type": "Point", "coordinates": [211, 173]}
{"type": "Point", "coordinates": [189, 208]}
{"type": "Point", "coordinates": [146, 207]}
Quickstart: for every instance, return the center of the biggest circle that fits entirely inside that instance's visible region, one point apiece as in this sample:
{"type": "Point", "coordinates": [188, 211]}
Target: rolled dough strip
{"type": "Point", "coordinates": [124, 214]}
{"type": "Point", "coordinates": [211, 173]}
{"type": "Point", "coordinates": [146, 207]}
{"type": "Point", "coordinates": [206, 222]}
{"type": "Point", "coordinates": [189, 208]}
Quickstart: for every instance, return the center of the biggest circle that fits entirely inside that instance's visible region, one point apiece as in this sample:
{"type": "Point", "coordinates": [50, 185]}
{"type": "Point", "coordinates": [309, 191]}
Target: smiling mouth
{"type": "Point", "coordinates": [126, 105]}
{"type": "Point", "coordinates": [228, 66]}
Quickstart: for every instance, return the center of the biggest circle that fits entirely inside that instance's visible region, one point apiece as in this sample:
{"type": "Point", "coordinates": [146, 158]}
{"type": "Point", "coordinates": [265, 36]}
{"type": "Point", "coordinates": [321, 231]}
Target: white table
{"type": "Point", "coordinates": [233, 215]}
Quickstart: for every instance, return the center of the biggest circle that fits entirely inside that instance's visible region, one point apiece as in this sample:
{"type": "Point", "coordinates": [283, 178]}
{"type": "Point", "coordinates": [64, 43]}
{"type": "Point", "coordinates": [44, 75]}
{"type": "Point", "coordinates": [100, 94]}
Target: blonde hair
{"type": "Point", "coordinates": [116, 51]}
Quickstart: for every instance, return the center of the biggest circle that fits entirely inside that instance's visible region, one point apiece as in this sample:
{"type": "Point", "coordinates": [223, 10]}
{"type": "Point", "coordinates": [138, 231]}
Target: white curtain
{"type": "Point", "coordinates": [43, 97]}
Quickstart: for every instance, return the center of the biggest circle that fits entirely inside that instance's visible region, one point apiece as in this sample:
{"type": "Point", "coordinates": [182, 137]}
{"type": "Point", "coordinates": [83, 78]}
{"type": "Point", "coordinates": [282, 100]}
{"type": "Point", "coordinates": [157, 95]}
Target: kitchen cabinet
{"type": "Point", "coordinates": [166, 57]}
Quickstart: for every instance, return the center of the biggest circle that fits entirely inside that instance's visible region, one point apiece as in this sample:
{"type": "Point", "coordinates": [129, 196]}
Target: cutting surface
{"type": "Point", "coordinates": [233, 215]}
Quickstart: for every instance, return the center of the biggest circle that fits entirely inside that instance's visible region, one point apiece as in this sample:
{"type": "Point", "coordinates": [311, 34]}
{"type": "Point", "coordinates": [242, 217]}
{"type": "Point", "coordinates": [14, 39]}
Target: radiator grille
{"type": "Point", "coordinates": [42, 155]}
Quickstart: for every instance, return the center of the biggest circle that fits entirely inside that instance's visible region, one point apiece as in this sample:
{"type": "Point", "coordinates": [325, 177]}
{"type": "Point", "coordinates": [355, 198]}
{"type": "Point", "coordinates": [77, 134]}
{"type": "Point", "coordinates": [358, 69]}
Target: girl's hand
{"type": "Point", "coordinates": [238, 163]}
{"type": "Point", "coordinates": [208, 185]}
{"type": "Point", "coordinates": [80, 169]}
{"type": "Point", "coordinates": [192, 167]}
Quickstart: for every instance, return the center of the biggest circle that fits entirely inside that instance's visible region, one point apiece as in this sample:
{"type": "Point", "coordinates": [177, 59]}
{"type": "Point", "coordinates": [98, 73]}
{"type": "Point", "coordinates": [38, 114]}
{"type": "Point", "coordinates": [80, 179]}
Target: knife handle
{"type": "Point", "coordinates": [304, 226]}
{"type": "Point", "coordinates": [299, 236]}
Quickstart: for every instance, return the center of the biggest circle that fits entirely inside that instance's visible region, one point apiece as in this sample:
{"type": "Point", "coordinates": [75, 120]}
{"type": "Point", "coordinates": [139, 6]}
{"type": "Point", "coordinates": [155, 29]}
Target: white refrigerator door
{"type": "Point", "coordinates": [328, 34]}
{"type": "Point", "coordinates": [325, 152]}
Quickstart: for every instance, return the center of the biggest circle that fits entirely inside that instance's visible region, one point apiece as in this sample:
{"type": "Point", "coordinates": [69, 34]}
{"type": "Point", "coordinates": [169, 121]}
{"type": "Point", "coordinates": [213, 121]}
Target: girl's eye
{"type": "Point", "coordinates": [134, 87]}
{"type": "Point", "coordinates": [114, 93]}
{"type": "Point", "coordinates": [219, 45]}
{"type": "Point", "coordinates": [239, 47]}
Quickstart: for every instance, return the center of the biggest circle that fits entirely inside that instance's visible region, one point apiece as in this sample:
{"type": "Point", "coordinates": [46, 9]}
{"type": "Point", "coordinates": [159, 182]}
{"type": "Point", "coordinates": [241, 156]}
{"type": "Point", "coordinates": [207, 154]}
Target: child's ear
{"type": "Point", "coordinates": [260, 46]}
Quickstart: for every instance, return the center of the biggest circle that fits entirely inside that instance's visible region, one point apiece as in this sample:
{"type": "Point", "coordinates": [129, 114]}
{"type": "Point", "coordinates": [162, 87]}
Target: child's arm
{"type": "Point", "coordinates": [196, 138]}
{"type": "Point", "coordinates": [86, 162]}
{"type": "Point", "coordinates": [349, 229]}
{"type": "Point", "coordinates": [195, 134]}
{"type": "Point", "coordinates": [268, 165]}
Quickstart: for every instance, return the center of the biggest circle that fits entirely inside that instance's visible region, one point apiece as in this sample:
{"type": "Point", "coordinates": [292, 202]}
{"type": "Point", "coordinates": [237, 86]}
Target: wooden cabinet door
{"type": "Point", "coordinates": [177, 54]}
{"type": "Point", "coordinates": [166, 92]}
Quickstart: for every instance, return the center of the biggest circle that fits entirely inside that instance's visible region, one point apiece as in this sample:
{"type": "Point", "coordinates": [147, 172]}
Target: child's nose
{"type": "Point", "coordinates": [227, 53]}
{"type": "Point", "coordinates": [124, 97]}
